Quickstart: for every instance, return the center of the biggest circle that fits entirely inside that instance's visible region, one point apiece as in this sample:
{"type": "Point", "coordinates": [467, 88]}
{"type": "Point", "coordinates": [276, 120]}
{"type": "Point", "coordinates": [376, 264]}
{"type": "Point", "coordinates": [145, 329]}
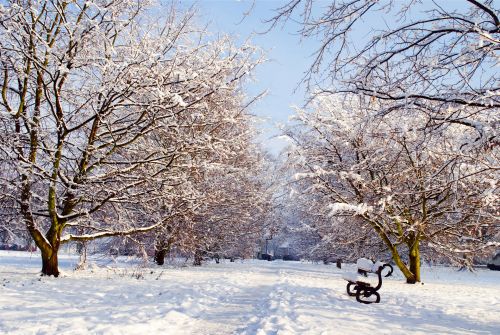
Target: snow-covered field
{"type": "Point", "coordinates": [252, 297]}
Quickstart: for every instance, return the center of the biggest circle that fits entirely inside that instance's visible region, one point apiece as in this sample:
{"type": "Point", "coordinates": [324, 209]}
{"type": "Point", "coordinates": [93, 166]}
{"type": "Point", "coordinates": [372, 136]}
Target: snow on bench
{"type": "Point", "coordinates": [361, 288]}
{"type": "Point", "coordinates": [351, 276]}
{"type": "Point", "coordinates": [366, 266]}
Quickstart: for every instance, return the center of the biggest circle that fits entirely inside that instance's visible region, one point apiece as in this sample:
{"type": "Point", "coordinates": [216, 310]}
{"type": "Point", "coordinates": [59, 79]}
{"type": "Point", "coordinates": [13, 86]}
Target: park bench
{"type": "Point", "coordinates": [360, 287]}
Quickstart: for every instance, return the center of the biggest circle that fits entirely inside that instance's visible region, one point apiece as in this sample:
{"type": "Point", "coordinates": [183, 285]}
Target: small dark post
{"type": "Point", "coordinates": [268, 239]}
{"type": "Point", "coordinates": [339, 263]}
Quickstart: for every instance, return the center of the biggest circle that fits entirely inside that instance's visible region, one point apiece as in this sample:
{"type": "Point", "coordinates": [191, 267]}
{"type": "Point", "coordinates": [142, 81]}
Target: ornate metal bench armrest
{"type": "Point", "coordinates": [391, 269]}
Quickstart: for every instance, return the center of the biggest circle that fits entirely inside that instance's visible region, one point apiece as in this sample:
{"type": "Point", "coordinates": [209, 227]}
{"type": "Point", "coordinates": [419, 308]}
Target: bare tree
{"type": "Point", "coordinates": [88, 87]}
{"type": "Point", "coordinates": [237, 198]}
{"type": "Point", "coordinates": [437, 60]}
{"type": "Point", "coordinates": [223, 167]}
{"type": "Point", "coordinates": [398, 183]}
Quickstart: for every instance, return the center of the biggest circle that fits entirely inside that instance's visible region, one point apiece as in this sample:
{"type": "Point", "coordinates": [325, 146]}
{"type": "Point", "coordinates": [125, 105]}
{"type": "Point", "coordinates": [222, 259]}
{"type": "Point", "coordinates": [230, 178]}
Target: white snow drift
{"type": "Point", "coordinates": [251, 297]}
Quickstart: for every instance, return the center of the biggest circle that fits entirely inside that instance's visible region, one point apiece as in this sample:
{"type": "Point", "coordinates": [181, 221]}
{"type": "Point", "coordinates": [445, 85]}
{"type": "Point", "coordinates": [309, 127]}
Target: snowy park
{"type": "Point", "coordinates": [244, 297]}
{"type": "Point", "coordinates": [249, 167]}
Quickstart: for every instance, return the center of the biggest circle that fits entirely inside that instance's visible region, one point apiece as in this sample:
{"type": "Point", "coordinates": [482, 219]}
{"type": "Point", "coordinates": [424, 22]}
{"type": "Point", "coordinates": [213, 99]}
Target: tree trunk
{"type": "Point", "coordinates": [414, 257]}
{"type": "Point", "coordinates": [339, 263]}
{"type": "Point", "coordinates": [198, 257]}
{"type": "Point", "coordinates": [160, 256]}
{"type": "Point", "coordinates": [410, 278]}
{"type": "Point", "coordinates": [50, 250]}
{"type": "Point", "coordinates": [50, 264]}
{"type": "Point", "coordinates": [162, 248]}
{"type": "Point", "coordinates": [412, 273]}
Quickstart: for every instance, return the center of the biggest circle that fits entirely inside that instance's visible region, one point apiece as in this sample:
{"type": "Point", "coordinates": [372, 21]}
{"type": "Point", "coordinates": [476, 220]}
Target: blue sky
{"type": "Point", "coordinates": [289, 57]}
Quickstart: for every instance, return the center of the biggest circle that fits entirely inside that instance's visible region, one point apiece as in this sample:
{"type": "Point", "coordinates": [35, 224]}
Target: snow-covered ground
{"type": "Point", "coordinates": [251, 297]}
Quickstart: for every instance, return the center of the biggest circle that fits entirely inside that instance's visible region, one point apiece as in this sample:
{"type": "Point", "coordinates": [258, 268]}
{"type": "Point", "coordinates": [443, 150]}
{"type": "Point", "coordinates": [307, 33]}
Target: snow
{"type": "Point", "coordinates": [177, 99]}
{"type": "Point", "coordinates": [351, 276]}
{"type": "Point", "coordinates": [339, 207]}
{"type": "Point", "coordinates": [250, 297]}
{"type": "Point", "coordinates": [364, 264]}
{"type": "Point", "coordinates": [377, 265]}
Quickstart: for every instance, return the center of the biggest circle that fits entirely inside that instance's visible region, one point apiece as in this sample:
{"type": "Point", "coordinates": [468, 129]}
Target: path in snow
{"type": "Point", "coordinates": [254, 297]}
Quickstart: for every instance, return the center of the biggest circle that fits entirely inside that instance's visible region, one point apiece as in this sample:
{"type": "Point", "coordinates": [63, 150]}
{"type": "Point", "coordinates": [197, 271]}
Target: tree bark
{"type": "Point", "coordinates": [401, 265]}
{"type": "Point", "coordinates": [160, 256]}
{"type": "Point", "coordinates": [414, 258]}
{"type": "Point", "coordinates": [412, 270]}
{"type": "Point", "coordinates": [411, 277]}
{"type": "Point", "coordinates": [50, 264]}
{"type": "Point", "coordinates": [162, 248]}
{"type": "Point", "coordinates": [198, 257]}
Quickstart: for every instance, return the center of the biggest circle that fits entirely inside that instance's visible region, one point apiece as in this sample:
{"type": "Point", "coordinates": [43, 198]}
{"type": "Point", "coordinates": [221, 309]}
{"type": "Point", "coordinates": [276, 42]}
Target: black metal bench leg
{"type": "Point", "coordinates": [378, 297]}
{"type": "Point", "coordinates": [367, 293]}
{"type": "Point", "coordinates": [352, 293]}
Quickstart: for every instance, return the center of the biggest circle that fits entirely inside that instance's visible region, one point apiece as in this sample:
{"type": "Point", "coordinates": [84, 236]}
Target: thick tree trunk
{"type": "Point", "coordinates": [410, 277]}
{"type": "Point", "coordinates": [411, 273]}
{"type": "Point", "coordinates": [412, 270]}
{"type": "Point", "coordinates": [50, 264]}
{"type": "Point", "coordinates": [160, 256]}
{"type": "Point", "coordinates": [162, 248]}
{"type": "Point", "coordinates": [414, 257]}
